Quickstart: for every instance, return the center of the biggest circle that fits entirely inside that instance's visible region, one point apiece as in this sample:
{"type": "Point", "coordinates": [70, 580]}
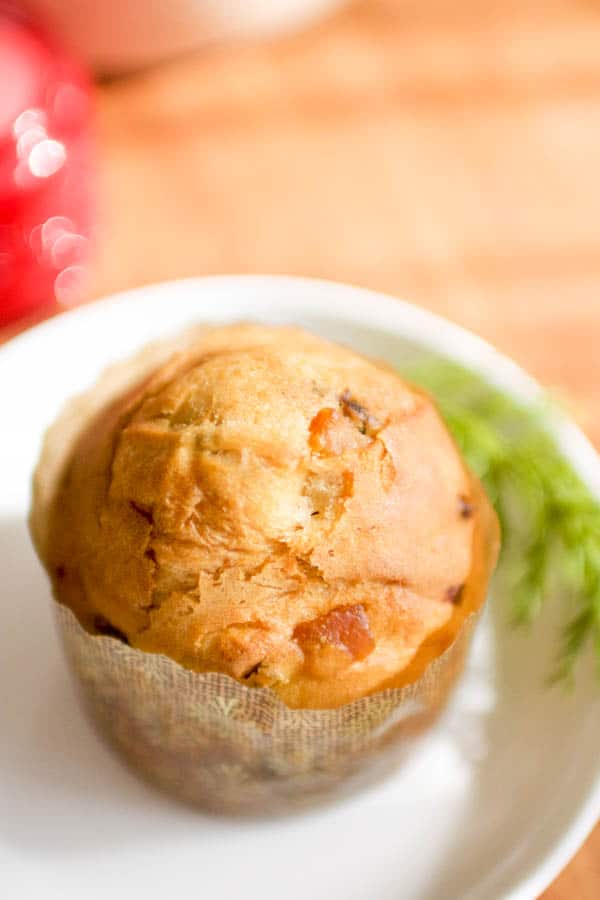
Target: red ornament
{"type": "Point", "coordinates": [45, 173]}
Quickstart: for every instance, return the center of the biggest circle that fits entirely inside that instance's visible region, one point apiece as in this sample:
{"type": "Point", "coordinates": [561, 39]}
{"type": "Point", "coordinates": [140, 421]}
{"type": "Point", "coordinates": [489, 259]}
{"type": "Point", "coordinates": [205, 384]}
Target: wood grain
{"type": "Point", "coordinates": [446, 152]}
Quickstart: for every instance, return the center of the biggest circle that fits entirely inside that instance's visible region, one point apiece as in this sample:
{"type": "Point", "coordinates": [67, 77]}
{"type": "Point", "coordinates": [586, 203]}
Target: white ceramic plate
{"type": "Point", "coordinates": [493, 804]}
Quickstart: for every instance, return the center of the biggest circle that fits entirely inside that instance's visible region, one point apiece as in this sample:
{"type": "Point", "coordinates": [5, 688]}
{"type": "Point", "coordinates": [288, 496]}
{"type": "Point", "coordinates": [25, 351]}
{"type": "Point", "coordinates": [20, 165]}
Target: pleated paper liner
{"type": "Point", "coordinates": [229, 748]}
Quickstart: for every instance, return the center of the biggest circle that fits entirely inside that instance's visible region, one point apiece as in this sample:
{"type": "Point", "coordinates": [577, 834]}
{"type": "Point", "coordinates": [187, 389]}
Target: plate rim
{"type": "Point", "coordinates": [363, 306]}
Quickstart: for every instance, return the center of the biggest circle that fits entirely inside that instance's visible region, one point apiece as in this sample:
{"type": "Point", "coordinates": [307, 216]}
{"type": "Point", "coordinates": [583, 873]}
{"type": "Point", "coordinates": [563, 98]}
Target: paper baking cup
{"type": "Point", "coordinates": [229, 748]}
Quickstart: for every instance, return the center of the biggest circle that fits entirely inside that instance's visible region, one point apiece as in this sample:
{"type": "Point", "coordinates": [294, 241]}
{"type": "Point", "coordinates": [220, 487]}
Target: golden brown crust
{"type": "Point", "coordinates": [273, 506]}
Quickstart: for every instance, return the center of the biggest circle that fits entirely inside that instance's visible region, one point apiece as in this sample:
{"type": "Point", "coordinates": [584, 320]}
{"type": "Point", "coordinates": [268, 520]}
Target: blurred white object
{"type": "Point", "coordinates": [120, 35]}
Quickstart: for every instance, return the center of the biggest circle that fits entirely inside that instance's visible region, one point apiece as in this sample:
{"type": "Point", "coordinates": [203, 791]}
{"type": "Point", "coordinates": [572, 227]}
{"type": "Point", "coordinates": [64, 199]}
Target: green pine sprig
{"type": "Point", "coordinates": [550, 521]}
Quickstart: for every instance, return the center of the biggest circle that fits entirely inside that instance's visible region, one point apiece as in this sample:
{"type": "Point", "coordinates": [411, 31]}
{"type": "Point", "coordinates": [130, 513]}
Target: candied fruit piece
{"type": "Point", "coordinates": [360, 415]}
{"type": "Point", "coordinates": [331, 433]}
{"type": "Point", "coordinates": [319, 428]}
{"type": "Point", "coordinates": [345, 627]}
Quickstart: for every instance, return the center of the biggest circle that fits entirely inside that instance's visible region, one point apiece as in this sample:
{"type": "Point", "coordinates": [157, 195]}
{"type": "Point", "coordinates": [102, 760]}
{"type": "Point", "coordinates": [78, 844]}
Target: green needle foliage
{"type": "Point", "coordinates": [550, 520]}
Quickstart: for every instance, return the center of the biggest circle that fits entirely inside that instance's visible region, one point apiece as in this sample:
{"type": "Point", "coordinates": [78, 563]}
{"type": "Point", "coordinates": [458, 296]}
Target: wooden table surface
{"type": "Point", "coordinates": [445, 151]}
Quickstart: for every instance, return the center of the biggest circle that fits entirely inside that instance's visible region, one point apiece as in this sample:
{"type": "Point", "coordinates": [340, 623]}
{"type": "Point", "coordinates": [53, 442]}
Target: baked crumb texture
{"type": "Point", "coordinates": [276, 507]}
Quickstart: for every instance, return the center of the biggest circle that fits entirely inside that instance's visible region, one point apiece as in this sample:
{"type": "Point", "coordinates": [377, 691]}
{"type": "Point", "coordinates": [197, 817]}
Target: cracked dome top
{"type": "Point", "coordinates": [273, 506]}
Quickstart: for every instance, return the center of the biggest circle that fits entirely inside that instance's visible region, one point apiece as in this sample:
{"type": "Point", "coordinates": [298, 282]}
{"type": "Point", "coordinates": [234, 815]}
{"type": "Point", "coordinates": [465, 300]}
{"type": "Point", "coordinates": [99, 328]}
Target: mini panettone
{"type": "Point", "coordinates": [272, 506]}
